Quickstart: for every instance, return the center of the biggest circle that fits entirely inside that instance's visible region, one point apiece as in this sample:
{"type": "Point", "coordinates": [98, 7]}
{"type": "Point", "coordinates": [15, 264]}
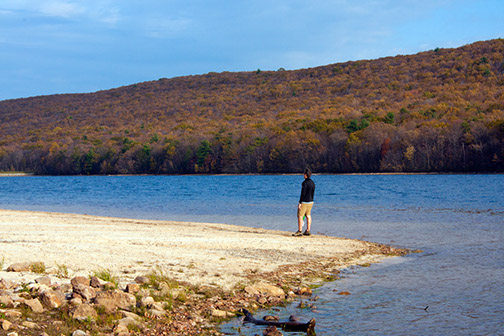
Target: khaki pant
{"type": "Point", "coordinates": [305, 209]}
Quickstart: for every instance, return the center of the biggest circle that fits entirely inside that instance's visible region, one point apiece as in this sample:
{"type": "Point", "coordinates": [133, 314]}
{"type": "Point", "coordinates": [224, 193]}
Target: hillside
{"type": "Point", "coordinates": [439, 110]}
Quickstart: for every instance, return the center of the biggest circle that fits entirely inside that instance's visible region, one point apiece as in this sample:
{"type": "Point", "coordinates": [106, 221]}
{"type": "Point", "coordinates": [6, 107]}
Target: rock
{"type": "Point", "coordinates": [37, 288]}
{"type": "Point", "coordinates": [12, 334]}
{"type": "Point", "coordinates": [121, 329]}
{"type": "Point", "coordinates": [11, 313]}
{"type": "Point", "coordinates": [5, 325]}
{"type": "Point", "coordinates": [128, 321]}
{"type": "Point", "coordinates": [79, 333]}
{"type": "Point", "coordinates": [34, 305]}
{"type": "Point", "coordinates": [80, 280]}
{"type": "Point", "coordinates": [219, 313]}
{"type": "Point", "coordinates": [6, 301]}
{"type": "Point", "coordinates": [84, 312]}
{"type": "Point", "coordinates": [19, 267]}
{"type": "Point", "coordinates": [45, 280]}
{"type": "Point", "coordinates": [158, 306]}
{"type": "Point", "coordinates": [272, 331]}
{"type": "Point", "coordinates": [142, 280]}
{"type": "Point", "coordinates": [174, 293]}
{"type": "Point", "coordinates": [111, 300]}
{"type": "Point", "coordinates": [50, 300]}
{"type": "Point", "coordinates": [75, 301]}
{"type": "Point", "coordinates": [30, 325]}
{"type": "Point", "coordinates": [146, 302]}
{"type": "Point", "coordinates": [4, 284]}
{"type": "Point", "coordinates": [265, 289]}
{"type": "Point", "coordinates": [132, 288]}
{"type": "Point", "coordinates": [109, 286]}
{"type": "Point", "coordinates": [65, 288]}
{"type": "Point", "coordinates": [305, 291]}
{"type": "Point", "coordinates": [85, 291]}
{"type": "Point", "coordinates": [344, 293]}
{"type": "Point", "coordinates": [164, 289]}
{"type": "Point", "coordinates": [96, 282]}
{"type": "Point", "coordinates": [134, 316]}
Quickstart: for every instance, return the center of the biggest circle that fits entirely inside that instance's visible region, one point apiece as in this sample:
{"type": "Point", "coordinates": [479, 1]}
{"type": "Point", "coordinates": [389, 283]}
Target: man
{"type": "Point", "coordinates": [305, 204]}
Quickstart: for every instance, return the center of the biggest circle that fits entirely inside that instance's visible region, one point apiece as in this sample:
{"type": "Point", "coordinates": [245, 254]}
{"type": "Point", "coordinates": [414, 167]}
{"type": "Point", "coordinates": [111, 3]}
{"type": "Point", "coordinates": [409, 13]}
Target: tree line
{"type": "Point", "coordinates": [437, 111]}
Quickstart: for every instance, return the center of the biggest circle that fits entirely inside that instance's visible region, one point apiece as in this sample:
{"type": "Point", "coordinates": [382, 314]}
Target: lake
{"type": "Point", "coordinates": [455, 287]}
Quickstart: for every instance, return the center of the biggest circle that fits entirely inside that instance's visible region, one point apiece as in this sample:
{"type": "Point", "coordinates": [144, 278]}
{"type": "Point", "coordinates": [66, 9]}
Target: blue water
{"type": "Point", "coordinates": [457, 220]}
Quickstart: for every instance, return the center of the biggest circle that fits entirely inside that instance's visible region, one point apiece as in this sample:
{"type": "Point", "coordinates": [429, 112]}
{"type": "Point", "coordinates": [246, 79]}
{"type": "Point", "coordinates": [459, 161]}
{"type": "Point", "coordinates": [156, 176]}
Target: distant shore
{"type": "Point", "coordinates": [15, 174]}
{"type": "Point", "coordinates": [273, 174]}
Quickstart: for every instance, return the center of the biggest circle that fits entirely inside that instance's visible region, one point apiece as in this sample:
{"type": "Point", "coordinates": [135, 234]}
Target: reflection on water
{"type": "Point", "coordinates": [454, 287]}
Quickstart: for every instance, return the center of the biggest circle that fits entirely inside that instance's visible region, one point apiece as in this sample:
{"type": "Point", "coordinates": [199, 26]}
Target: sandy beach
{"type": "Point", "coordinates": [219, 268]}
{"type": "Point", "coordinates": [199, 253]}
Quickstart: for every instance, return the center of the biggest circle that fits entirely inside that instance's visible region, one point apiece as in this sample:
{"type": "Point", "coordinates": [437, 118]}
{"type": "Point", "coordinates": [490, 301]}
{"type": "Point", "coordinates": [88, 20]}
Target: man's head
{"type": "Point", "coordinates": [307, 173]}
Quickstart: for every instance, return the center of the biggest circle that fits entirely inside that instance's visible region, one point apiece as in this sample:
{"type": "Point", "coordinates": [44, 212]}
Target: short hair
{"type": "Point", "coordinates": [308, 172]}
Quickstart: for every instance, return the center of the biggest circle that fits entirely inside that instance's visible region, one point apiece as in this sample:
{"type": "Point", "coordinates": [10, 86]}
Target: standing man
{"type": "Point", "coordinates": [305, 204]}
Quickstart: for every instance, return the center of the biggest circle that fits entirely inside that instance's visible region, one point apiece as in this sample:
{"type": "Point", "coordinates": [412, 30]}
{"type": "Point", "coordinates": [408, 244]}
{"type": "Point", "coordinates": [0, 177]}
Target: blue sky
{"type": "Point", "coordinates": [69, 46]}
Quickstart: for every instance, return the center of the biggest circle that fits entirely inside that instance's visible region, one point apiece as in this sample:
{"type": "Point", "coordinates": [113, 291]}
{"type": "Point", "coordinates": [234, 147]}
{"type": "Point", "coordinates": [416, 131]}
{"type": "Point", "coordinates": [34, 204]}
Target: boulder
{"type": "Point", "coordinates": [11, 313]}
{"type": "Point", "coordinates": [264, 289]}
{"type": "Point", "coordinates": [34, 305]}
{"type": "Point", "coordinates": [305, 291]}
{"type": "Point", "coordinates": [96, 282]}
{"type": "Point", "coordinates": [50, 299]}
{"type": "Point", "coordinates": [132, 288]}
{"type": "Point", "coordinates": [146, 302]}
{"type": "Point", "coordinates": [84, 312]}
{"type": "Point", "coordinates": [6, 300]}
{"type": "Point", "coordinates": [5, 325]}
{"type": "Point", "coordinates": [134, 316]}
{"type": "Point", "coordinates": [29, 325]}
{"type": "Point", "coordinates": [80, 280]}
{"type": "Point", "coordinates": [75, 301]}
{"type": "Point", "coordinates": [19, 267]}
{"type": "Point", "coordinates": [272, 331]}
{"type": "Point", "coordinates": [219, 313]}
{"type": "Point", "coordinates": [154, 313]}
{"type": "Point", "coordinates": [4, 284]}
{"type": "Point", "coordinates": [84, 291]}
{"type": "Point", "coordinates": [142, 280]}
{"type": "Point", "coordinates": [111, 300]}
{"type": "Point", "coordinates": [157, 306]}
{"type": "Point", "coordinates": [45, 280]}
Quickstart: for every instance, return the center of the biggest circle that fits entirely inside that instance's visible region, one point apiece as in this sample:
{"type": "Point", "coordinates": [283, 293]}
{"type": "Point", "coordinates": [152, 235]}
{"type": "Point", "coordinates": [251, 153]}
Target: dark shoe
{"type": "Point", "coordinates": [307, 233]}
{"type": "Point", "coordinates": [297, 234]}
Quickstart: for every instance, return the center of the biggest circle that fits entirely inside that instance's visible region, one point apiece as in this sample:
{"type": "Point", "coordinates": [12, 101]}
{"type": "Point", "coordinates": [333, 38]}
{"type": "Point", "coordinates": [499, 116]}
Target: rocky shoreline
{"type": "Point", "coordinates": [222, 270]}
{"type": "Point", "coordinates": [154, 304]}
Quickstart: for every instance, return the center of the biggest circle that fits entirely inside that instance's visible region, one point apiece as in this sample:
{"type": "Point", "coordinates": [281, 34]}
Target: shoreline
{"type": "Point", "coordinates": [225, 258]}
{"type": "Point", "coordinates": [9, 174]}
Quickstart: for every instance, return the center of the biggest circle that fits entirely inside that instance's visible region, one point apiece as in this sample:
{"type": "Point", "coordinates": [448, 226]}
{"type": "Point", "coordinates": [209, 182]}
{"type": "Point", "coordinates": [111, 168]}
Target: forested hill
{"type": "Point", "coordinates": [440, 110]}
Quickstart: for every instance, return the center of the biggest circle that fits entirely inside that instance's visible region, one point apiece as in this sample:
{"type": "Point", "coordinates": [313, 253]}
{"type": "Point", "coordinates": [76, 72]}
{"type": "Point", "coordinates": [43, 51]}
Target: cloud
{"type": "Point", "coordinates": [63, 9]}
{"type": "Point", "coordinates": [90, 10]}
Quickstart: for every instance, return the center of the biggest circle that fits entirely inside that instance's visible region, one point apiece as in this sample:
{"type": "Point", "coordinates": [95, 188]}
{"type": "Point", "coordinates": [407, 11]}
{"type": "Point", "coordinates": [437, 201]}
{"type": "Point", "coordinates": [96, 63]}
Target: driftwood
{"type": "Point", "coordinates": [286, 326]}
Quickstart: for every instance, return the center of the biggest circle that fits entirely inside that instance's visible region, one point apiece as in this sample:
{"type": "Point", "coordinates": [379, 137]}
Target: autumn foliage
{"type": "Point", "coordinates": [436, 111]}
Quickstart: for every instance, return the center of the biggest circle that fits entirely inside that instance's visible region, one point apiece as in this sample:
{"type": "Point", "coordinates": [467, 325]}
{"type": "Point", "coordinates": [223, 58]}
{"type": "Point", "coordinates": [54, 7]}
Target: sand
{"type": "Point", "coordinates": [199, 253]}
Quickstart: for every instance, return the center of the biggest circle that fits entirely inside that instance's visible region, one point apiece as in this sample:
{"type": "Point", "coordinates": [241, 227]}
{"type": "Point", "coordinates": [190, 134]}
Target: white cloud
{"type": "Point", "coordinates": [62, 9]}
{"type": "Point", "coordinates": [93, 10]}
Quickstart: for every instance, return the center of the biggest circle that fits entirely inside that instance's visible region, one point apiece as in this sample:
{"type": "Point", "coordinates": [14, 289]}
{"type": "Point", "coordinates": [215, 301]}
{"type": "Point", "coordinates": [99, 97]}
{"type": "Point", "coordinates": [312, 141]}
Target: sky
{"type": "Point", "coordinates": [77, 46]}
